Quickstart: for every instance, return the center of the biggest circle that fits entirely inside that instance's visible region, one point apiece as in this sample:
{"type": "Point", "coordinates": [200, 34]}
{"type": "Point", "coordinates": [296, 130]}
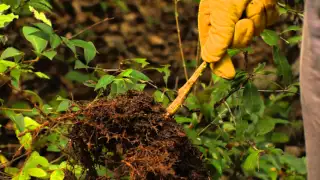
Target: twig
{"type": "Point", "coordinates": [3, 165]}
{"type": "Point", "coordinates": [246, 60]}
{"type": "Point", "coordinates": [213, 121]}
{"type": "Point", "coordinates": [198, 57]}
{"type": "Point", "coordinates": [90, 27]}
{"type": "Point", "coordinates": [185, 89]}
{"type": "Point", "coordinates": [14, 109]}
{"type": "Point", "coordinates": [231, 114]}
{"type": "Point", "coordinates": [32, 61]}
{"type": "Point", "coordinates": [230, 93]}
{"type": "Point", "coordinates": [179, 38]}
{"type": "Point", "coordinates": [57, 160]}
{"type": "Point", "coordinates": [37, 129]}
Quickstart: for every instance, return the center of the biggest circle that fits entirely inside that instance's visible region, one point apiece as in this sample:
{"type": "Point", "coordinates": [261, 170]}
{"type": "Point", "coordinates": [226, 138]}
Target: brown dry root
{"type": "Point", "coordinates": [130, 137]}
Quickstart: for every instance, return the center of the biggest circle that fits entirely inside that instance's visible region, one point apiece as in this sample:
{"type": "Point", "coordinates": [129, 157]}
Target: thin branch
{"type": "Point", "coordinates": [229, 109]}
{"type": "Point", "coordinates": [273, 91]}
{"type": "Point", "coordinates": [3, 165]}
{"type": "Point", "coordinates": [212, 122]}
{"type": "Point", "coordinates": [32, 61]}
{"type": "Point", "coordinates": [179, 38]}
{"type": "Point", "coordinates": [184, 90]}
{"type": "Point", "coordinates": [15, 109]}
{"type": "Point", "coordinates": [90, 27]}
{"type": "Point", "coordinates": [57, 160]}
{"type": "Point", "coordinates": [36, 130]}
{"type": "Point", "coordinates": [230, 93]}
{"type": "Point", "coordinates": [246, 60]}
{"type": "Point", "coordinates": [198, 58]}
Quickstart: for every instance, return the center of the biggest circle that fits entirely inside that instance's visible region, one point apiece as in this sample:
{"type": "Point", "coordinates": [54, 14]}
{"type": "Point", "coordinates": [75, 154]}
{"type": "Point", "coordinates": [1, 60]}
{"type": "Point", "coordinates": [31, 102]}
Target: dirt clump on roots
{"type": "Point", "coordinates": [130, 137]}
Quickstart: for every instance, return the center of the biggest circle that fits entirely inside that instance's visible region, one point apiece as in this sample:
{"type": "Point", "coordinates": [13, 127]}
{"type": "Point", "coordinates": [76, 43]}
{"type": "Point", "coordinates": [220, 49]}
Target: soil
{"type": "Point", "coordinates": [130, 136]}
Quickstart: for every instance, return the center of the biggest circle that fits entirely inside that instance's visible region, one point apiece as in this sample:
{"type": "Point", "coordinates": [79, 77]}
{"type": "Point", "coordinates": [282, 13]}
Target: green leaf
{"type": "Point", "coordinates": [218, 165]}
{"type": "Point", "coordinates": [50, 54]}
{"type": "Point", "coordinates": [37, 172]}
{"type": "Point", "coordinates": [142, 61]}
{"type": "Point", "coordinates": [11, 52]}
{"type": "Point", "coordinates": [282, 10]}
{"type": "Point", "coordinates": [270, 37]}
{"type": "Point", "coordinates": [283, 67]}
{"type": "Point", "coordinates": [63, 106]}
{"type": "Point", "coordinates": [12, 3]}
{"type": "Point", "coordinates": [42, 35]}
{"type": "Point", "coordinates": [33, 96]}
{"type": "Point", "coordinates": [69, 44]}
{"type": "Point", "coordinates": [181, 119]}
{"type": "Point", "coordinates": [22, 176]}
{"type": "Point", "coordinates": [55, 41]}
{"type": "Point", "coordinates": [235, 51]}
{"type": "Point", "coordinates": [251, 162]}
{"type": "Point", "coordinates": [125, 73]}
{"type": "Point", "coordinates": [228, 127]}
{"type": "Point", "coordinates": [42, 75]}
{"type": "Point", "coordinates": [294, 39]}
{"type": "Point", "coordinates": [35, 159]}
{"type": "Point", "coordinates": [139, 76]}
{"type": "Point", "coordinates": [15, 73]}
{"type": "Point", "coordinates": [77, 76]}
{"type": "Point", "coordinates": [40, 5]}
{"type": "Point", "coordinates": [46, 108]}
{"type": "Point", "coordinates": [79, 65]}
{"type": "Point", "coordinates": [89, 49]}
{"type": "Point", "coordinates": [294, 163]}
{"type": "Point", "coordinates": [11, 170]}
{"type": "Point", "coordinates": [118, 86]}
{"type": "Point", "coordinates": [8, 63]}
{"type": "Point", "coordinates": [45, 28]}
{"type": "Point", "coordinates": [40, 16]}
{"type": "Point", "coordinates": [26, 140]}
{"type": "Point", "coordinates": [292, 28]}
{"type": "Point", "coordinates": [264, 126]}
{"type": "Point", "coordinates": [53, 167]}
{"type": "Point", "coordinates": [6, 19]}
{"type": "Point", "coordinates": [57, 175]}
{"type": "Point", "coordinates": [17, 119]}
{"type": "Point", "coordinates": [278, 137]}
{"type": "Point", "coordinates": [30, 124]}
{"type": "Point", "coordinates": [251, 98]}
{"type": "Point", "coordinates": [161, 97]}
{"type": "Point", "coordinates": [166, 71]}
{"type": "Point", "coordinates": [259, 68]}
{"type": "Point", "coordinates": [4, 7]}
{"type": "Point", "coordinates": [192, 102]}
{"type": "Point", "coordinates": [3, 68]}
{"type": "Point", "coordinates": [104, 81]}
{"type": "Point", "coordinates": [38, 43]}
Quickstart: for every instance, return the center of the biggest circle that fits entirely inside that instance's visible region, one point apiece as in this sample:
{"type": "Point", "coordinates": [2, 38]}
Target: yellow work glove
{"type": "Point", "coordinates": [231, 23]}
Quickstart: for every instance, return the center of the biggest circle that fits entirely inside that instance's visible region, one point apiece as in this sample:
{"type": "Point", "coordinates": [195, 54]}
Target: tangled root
{"type": "Point", "coordinates": [130, 137]}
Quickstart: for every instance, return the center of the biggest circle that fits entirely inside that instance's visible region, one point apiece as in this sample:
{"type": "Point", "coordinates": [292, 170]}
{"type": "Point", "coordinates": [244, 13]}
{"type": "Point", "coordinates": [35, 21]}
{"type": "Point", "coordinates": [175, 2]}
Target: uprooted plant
{"type": "Point", "coordinates": [224, 127]}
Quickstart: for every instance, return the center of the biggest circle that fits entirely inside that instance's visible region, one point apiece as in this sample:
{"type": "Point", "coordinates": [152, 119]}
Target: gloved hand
{"type": "Point", "coordinates": [231, 23]}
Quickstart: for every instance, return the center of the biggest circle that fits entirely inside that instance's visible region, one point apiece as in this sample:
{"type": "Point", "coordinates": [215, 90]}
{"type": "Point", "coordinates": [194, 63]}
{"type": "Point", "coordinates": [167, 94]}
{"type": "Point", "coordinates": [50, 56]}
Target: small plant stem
{"type": "Point", "coordinates": [213, 122]}
{"type": "Point", "coordinates": [179, 38]}
{"type": "Point", "coordinates": [32, 61]}
{"type": "Point", "coordinates": [198, 63]}
{"type": "Point", "coordinates": [14, 109]}
{"type": "Point", "coordinates": [90, 27]}
{"type": "Point", "coordinates": [184, 90]}
{"type": "Point", "coordinates": [37, 129]}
